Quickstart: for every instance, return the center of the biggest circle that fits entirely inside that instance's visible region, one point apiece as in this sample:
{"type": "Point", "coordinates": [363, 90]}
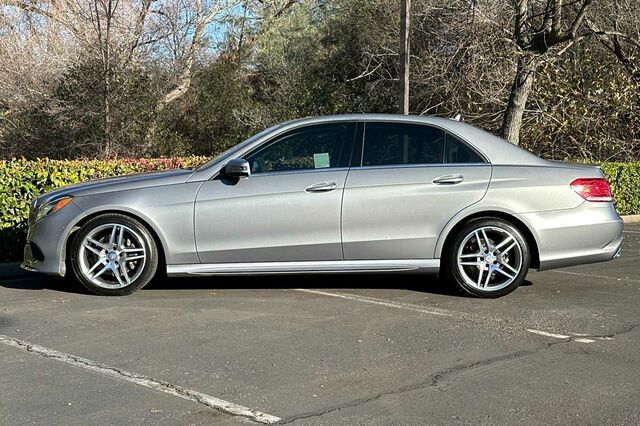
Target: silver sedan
{"type": "Point", "coordinates": [348, 193]}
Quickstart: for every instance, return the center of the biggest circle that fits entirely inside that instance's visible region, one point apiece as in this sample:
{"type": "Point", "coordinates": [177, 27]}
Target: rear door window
{"type": "Point", "coordinates": [400, 144]}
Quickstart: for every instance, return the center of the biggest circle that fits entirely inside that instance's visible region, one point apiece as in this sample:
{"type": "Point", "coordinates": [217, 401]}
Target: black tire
{"type": "Point", "coordinates": [452, 270]}
{"type": "Point", "coordinates": [143, 275]}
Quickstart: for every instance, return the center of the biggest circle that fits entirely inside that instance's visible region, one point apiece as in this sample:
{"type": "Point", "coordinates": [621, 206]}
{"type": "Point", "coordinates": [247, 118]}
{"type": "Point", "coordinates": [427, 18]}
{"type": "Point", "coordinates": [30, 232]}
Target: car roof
{"type": "Point", "coordinates": [496, 149]}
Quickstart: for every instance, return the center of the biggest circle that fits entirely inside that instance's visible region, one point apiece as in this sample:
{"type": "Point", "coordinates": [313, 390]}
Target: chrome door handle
{"type": "Point", "coordinates": [448, 179]}
{"type": "Point", "coordinates": [322, 187]}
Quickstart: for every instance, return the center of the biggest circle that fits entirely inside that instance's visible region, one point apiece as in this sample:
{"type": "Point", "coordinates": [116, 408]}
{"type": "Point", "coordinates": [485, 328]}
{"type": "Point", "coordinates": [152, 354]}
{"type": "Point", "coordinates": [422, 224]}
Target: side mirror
{"type": "Point", "coordinates": [237, 168]}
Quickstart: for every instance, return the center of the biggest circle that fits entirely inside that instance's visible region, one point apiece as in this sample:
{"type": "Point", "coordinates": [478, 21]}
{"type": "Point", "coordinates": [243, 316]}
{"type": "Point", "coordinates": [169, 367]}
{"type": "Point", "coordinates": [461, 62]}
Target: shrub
{"type": "Point", "coordinates": [22, 180]}
{"type": "Point", "coordinates": [624, 179]}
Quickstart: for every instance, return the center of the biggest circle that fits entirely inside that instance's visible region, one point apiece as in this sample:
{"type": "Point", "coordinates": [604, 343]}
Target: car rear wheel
{"type": "Point", "coordinates": [488, 258]}
{"type": "Point", "coordinates": [113, 255]}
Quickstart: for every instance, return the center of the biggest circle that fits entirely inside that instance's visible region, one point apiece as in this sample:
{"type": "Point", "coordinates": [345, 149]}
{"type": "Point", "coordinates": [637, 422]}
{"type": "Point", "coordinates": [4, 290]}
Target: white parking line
{"type": "Point", "coordinates": [168, 388]}
{"type": "Point", "coordinates": [574, 337]}
{"type": "Point", "coordinates": [381, 302]}
{"type": "Point", "coordinates": [547, 334]}
{"type": "Point", "coordinates": [595, 276]}
{"type": "Point", "coordinates": [559, 336]}
{"type": "Point", "coordinates": [581, 338]}
{"type": "Point", "coordinates": [631, 232]}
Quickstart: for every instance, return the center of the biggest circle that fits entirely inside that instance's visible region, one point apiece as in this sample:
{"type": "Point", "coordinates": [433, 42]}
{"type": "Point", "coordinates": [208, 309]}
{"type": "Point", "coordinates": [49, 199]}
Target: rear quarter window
{"type": "Point", "coordinates": [457, 152]}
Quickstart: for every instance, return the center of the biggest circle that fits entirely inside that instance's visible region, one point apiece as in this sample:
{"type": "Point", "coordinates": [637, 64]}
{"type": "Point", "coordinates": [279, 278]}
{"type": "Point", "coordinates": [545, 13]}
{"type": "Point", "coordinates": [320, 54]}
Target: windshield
{"type": "Point", "coordinates": [234, 149]}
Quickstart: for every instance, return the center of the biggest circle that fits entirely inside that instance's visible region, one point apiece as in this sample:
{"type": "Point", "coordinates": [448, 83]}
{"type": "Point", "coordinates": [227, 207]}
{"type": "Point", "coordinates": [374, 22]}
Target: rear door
{"type": "Point", "coordinates": [411, 180]}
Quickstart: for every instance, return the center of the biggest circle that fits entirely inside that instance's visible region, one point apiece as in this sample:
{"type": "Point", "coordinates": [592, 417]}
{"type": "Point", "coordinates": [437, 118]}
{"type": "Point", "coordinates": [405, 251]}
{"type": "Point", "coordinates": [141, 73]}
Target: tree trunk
{"type": "Point", "coordinates": [108, 148]}
{"type": "Point", "coordinates": [105, 50]}
{"type": "Point", "coordinates": [405, 16]}
{"type": "Point", "coordinates": [176, 93]}
{"type": "Point", "coordinates": [522, 84]}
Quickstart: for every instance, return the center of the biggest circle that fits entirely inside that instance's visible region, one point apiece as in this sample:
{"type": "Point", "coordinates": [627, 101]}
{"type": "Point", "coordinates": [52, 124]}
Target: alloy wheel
{"type": "Point", "coordinates": [112, 256]}
{"type": "Point", "coordinates": [489, 258]}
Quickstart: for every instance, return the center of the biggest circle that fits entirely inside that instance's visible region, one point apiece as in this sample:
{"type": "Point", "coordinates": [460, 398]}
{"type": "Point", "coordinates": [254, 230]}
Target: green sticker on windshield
{"type": "Point", "coordinates": [321, 161]}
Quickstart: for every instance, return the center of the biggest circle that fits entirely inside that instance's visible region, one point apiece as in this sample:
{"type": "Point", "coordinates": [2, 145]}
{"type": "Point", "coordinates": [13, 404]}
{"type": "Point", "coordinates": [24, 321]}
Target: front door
{"type": "Point", "coordinates": [288, 209]}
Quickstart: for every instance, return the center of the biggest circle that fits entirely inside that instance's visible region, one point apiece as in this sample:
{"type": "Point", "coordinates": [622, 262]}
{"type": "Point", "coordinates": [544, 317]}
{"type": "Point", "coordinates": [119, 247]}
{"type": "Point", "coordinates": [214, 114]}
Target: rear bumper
{"type": "Point", "coordinates": [589, 233]}
{"type": "Point", "coordinates": [606, 253]}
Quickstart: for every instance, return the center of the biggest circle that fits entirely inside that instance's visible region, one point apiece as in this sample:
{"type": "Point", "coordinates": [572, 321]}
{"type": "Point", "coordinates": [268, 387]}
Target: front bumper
{"type": "Point", "coordinates": [590, 233]}
{"type": "Point", "coordinates": [45, 249]}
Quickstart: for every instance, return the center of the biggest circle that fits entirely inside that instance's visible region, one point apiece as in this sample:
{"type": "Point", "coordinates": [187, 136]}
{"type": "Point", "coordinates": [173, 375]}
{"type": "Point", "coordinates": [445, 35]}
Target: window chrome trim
{"type": "Point", "coordinates": [299, 171]}
{"type": "Point", "coordinates": [421, 166]}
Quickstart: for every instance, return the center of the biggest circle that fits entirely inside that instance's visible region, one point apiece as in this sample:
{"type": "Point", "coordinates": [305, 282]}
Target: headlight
{"type": "Point", "coordinates": [51, 207]}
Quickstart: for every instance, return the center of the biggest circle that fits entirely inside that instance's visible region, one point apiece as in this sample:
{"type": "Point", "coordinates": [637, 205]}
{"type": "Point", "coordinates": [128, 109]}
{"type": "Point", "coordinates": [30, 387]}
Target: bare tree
{"type": "Point", "coordinates": [34, 51]}
{"type": "Point", "coordinates": [538, 27]}
{"type": "Point", "coordinates": [109, 32]}
{"type": "Point", "coordinates": [617, 27]}
{"type": "Point", "coordinates": [186, 49]}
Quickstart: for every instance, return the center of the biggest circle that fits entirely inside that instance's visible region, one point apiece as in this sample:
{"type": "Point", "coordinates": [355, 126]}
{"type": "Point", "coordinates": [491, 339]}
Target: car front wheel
{"type": "Point", "coordinates": [488, 258]}
{"type": "Point", "coordinates": [113, 255]}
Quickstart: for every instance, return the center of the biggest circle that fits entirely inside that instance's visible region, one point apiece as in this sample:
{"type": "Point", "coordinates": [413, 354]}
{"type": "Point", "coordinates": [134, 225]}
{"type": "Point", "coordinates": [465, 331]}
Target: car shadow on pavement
{"type": "Point", "coordinates": [413, 282]}
{"type": "Point", "coordinates": [43, 282]}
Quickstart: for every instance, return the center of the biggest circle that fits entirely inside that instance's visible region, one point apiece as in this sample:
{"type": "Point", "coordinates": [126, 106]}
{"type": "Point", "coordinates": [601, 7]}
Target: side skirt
{"type": "Point", "coordinates": [321, 267]}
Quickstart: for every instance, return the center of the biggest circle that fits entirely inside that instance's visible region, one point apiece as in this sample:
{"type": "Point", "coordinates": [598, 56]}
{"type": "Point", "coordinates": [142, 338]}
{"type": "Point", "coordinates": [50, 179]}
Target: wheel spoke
{"type": "Point", "coordinates": [140, 256]}
{"type": "Point", "coordinates": [96, 243]}
{"type": "Point", "coordinates": [112, 239]}
{"type": "Point", "coordinates": [125, 274]}
{"type": "Point", "coordinates": [470, 263]}
{"type": "Point", "coordinates": [505, 251]}
{"type": "Point", "coordinates": [480, 275]}
{"type": "Point", "coordinates": [503, 272]}
{"type": "Point", "coordinates": [479, 241]}
{"type": "Point", "coordinates": [116, 274]}
{"type": "Point", "coordinates": [504, 242]}
{"type": "Point", "coordinates": [511, 268]}
{"type": "Point", "coordinates": [102, 271]}
{"type": "Point", "coordinates": [121, 237]}
{"type": "Point", "coordinates": [486, 239]}
{"type": "Point", "coordinates": [466, 256]}
{"type": "Point", "coordinates": [92, 249]}
{"type": "Point", "coordinates": [486, 281]}
{"type": "Point", "coordinates": [93, 268]}
{"type": "Point", "coordinates": [133, 250]}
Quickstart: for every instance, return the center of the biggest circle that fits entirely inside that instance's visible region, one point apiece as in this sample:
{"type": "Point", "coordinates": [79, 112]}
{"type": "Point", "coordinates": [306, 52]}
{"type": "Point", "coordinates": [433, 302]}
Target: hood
{"type": "Point", "coordinates": [120, 183]}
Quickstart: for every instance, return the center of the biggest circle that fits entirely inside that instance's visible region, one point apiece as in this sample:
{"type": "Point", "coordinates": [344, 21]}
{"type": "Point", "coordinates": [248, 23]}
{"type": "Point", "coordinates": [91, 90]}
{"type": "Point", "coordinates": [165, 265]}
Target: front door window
{"type": "Point", "coordinates": [314, 147]}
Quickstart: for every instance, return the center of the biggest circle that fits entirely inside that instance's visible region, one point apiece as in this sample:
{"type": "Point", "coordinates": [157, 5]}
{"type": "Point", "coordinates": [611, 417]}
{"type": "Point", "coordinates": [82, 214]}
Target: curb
{"type": "Point", "coordinates": [632, 218]}
{"type": "Point", "coordinates": [12, 270]}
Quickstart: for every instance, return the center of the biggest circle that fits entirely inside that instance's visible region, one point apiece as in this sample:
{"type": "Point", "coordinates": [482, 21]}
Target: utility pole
{"type": "Point", "coordinates": [405, 19]}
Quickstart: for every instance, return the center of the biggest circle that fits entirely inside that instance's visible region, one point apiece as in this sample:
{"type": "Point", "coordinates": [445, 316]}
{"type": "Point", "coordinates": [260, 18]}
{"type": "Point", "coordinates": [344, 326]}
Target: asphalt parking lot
{"type": "Point", "coordinates": [389, 349]}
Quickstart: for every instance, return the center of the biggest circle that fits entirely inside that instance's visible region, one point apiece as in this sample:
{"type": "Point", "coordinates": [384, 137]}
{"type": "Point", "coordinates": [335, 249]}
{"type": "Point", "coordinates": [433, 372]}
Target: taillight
{"type": "Point", "coordinates": [592, 189]}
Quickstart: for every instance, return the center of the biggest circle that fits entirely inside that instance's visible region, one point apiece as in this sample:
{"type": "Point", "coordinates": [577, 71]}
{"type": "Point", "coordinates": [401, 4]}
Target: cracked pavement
{"type": "Point", "coordinates": [390, 349]}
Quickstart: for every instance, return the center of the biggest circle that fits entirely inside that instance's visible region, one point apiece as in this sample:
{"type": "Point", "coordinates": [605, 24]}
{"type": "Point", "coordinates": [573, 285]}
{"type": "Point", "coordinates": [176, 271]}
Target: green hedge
{"type": "Point", "coordinates": [22, 180]}
{"type": "Point", "coordinates": [624, 179]}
